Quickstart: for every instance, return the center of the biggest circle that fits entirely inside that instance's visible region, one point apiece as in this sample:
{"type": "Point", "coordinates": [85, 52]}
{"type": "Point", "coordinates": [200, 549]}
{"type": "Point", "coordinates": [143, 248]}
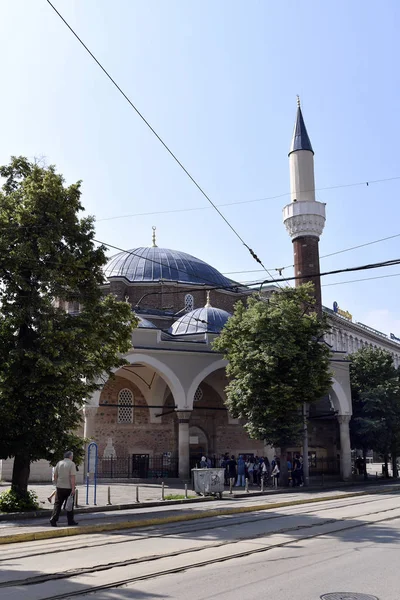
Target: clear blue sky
{"type": "Point", "coordinates": [218, 81]}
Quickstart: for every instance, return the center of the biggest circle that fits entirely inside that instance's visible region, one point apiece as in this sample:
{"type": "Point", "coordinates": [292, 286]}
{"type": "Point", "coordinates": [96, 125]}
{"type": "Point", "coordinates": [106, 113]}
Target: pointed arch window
{"type": "Point", "coordinates": [125, 406]}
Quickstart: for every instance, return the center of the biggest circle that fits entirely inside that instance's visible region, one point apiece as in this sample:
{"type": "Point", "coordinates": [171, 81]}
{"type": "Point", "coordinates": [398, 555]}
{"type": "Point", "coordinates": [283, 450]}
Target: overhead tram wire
{"type": "Point", "coordinates": [379, 265]}
{"type": "Point", "coordinates": [364, 279]}
{"type": "Point", "coordinates": [192, 179]}
{"type": "Point", "coordinates": [236, 285]}
{"type": "Point", "coordinates": [390, 237]}
{"type": "Point", "coordinates": [190, 209]}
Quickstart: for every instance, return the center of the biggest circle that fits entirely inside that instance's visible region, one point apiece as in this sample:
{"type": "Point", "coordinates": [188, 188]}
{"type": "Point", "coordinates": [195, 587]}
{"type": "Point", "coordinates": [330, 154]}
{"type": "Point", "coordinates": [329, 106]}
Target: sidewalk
{"type": "Point", "coordinates": [125, 493]}
{"type": "Point", "coordinates": [132, 518]}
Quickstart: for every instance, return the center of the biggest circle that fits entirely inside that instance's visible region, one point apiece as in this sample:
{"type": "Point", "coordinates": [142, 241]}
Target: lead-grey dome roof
{"type": "Point", "coordinates": [201, 320]}
{"type": "Point", "coordinates": [156, 264]}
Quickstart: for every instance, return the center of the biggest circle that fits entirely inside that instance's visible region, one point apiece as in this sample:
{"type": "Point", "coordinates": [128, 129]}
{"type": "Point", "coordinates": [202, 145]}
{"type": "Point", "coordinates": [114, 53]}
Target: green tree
{"type": "Point", "coordinates": [50, 360]}
{"type": "Point", "coordinates": [376, 403]}
{"type": "Point", "coordinates": [277, 362]}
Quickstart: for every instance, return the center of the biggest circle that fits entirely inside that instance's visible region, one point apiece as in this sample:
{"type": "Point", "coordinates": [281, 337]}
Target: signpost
{"type": "Point", "coordinates": [92, 457]}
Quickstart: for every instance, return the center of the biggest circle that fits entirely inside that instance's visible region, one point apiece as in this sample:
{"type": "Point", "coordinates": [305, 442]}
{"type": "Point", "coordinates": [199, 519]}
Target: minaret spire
{"type": "Point", "coordinates": [304, 217]}
{"type": "Point", "coordinates": [300, 139]}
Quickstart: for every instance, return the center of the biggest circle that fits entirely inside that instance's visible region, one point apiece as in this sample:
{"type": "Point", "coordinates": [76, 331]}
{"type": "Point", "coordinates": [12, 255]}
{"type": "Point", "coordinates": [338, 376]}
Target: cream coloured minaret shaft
{"type": "Point", "coordinates": [304, 217]}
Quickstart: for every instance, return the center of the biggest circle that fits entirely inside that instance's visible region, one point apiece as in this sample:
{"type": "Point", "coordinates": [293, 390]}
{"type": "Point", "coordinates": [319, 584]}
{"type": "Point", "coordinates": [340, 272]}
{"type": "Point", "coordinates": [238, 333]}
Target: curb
{"type": "Point", "coordinates": [100, 528]}
{"type": "Point", "coordinates": [107, 508]}
{"type": "Point", "coordinates": [43, 513]}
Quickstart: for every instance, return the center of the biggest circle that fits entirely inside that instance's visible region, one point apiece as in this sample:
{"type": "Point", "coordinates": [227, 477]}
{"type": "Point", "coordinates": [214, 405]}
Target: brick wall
{"type": "Point", "coordinates": [141, 436]}
{"type": "Point", "coordinates": [171, 297]}
{"type": "Point", "coordinates": [306, 261]}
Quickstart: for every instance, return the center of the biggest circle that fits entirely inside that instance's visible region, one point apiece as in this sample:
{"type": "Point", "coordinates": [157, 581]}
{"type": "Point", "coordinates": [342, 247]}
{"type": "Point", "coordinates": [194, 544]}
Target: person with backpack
{"type": "Point", "coordinates": [250, 469]}
{"type": "Point", "coordinates": [275, 474]}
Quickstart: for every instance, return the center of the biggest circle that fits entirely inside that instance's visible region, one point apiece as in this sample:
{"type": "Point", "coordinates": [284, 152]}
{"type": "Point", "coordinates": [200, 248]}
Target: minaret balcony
{"type": "Point", "coordinates": [303, 219]}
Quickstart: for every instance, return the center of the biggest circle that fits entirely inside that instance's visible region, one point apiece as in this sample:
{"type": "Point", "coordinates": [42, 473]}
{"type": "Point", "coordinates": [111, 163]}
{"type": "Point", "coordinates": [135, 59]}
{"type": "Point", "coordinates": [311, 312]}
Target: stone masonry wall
{"type": "Point", "coordinates": [139, 437]}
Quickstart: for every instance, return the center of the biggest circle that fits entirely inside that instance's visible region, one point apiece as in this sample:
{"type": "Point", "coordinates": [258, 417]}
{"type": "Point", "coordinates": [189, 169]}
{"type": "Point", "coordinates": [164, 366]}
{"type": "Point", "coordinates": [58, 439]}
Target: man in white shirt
{"type": "Point", "coordinates": [64, 479]}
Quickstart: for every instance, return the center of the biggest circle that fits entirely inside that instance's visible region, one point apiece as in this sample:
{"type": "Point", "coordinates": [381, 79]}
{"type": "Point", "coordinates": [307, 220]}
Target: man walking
{"type": "Point", "coordinates": [64, 479]}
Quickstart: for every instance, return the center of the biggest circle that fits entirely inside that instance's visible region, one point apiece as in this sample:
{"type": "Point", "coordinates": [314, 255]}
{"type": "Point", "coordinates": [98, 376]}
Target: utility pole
{"type": "Point", "coordinates": [306, 466]}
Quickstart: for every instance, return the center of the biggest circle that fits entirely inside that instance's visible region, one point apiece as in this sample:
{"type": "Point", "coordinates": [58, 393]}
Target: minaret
{"type": "Point", "coordinates": [304, 217]}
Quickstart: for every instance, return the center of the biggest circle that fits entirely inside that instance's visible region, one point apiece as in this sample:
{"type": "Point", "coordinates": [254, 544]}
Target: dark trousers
{"type": "Point", "coordinates": [61, 496]}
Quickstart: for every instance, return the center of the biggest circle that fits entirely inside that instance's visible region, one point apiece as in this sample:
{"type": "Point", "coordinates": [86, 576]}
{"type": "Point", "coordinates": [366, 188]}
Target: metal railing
{"type": "Point", "coordinates": [324, 466]}
{"type": "Point", "coordinates": [138, 466]}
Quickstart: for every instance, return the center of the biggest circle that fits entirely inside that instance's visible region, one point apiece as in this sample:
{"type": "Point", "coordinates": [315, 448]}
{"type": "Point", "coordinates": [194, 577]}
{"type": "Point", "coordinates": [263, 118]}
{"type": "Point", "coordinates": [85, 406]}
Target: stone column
{"type": "Point", "coordinates": [345, 448]}
{"type": "Point", "coordinates": [183, 443]}
{"type": "Point", "coordinates": [89, 413]}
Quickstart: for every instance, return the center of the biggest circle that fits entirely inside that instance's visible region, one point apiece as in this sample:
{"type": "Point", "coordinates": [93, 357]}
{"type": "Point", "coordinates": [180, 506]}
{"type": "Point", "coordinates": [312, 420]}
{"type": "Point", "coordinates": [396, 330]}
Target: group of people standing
{"type": "Point", "coordinates": [259, 469]}
{"type": "Point", "coordinates": [253, 468]}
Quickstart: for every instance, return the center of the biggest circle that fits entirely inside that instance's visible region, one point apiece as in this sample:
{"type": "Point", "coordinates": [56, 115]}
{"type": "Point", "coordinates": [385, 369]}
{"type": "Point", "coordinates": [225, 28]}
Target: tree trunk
{"type": "Point", "coordinates": [386, 467]}
{"type": "Point", "coordinates": [394, 464]}
{"type": "Point", "coordinates": [284, 473]}
{"type": "Point", "coordinates": [365, 464]}
{"type": "Point", "coordinates": [20, 476]}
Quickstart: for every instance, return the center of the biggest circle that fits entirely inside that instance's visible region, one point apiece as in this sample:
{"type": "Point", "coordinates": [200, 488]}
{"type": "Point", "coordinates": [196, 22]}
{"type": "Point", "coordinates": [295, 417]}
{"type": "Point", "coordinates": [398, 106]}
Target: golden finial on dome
{"type": "Point", "coordinates": [208, 305]}
{"type": "Point", "coordinates": [154, 236]}
{"type": "Point", "coordinates": [298, 100]}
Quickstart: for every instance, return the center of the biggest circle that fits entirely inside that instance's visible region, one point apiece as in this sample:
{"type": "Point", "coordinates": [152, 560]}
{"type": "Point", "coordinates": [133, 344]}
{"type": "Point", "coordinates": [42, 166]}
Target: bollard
{"type": "Point", "coordinates": [162, 491]}
{"type": "Point", "coordinates": [262, 484]}
{"type": "Point", "coordinates": [376, 475]}
{"type": "Point", "coordinates": [186, 494]}
{"type": "Point", "coordinates": [246, 485]}
{"type": "Point", "coordinates": [137, 493]}
{"type": "Point", "coordinates": [230, 485]}
{"type": "Point", "coordinates": [108, 496]}
{"type": "Point", "coordinates": [76, 498]}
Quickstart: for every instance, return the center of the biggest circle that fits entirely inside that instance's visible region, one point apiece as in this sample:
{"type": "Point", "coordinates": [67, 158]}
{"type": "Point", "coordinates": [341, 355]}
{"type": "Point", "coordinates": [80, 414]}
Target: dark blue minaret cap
{"type": "Point", "coordinates": [300, 140]}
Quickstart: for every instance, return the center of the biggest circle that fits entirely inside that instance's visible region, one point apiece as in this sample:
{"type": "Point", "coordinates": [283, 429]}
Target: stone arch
{"type": "Point", "coordinates": [340, 401]}
{"type": "Point", "coordinates": [215, 366]}
{"type": "Point", "coordinates": [165, 373]}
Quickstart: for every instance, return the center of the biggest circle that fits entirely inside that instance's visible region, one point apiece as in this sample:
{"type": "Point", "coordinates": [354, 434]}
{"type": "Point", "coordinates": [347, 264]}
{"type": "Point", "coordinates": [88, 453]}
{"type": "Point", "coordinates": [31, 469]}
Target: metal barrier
{"type": "Point", "coordinates": [138, 466]}
{"type": "Point", "coordinates": [324, 466]}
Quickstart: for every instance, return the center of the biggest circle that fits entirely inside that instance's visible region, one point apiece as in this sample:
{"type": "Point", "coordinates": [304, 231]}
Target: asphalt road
{"type": "Point", "coordinates": [291, 553]}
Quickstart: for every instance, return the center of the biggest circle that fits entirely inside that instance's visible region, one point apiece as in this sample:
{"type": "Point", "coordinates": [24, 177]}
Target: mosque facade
{"type": "Point", "coordinates": [165, 408]}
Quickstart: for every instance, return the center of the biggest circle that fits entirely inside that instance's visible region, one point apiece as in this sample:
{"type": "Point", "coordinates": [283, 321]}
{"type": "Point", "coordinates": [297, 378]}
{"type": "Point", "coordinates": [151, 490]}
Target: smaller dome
{"type": "Point", "coordinates": [201, 320]}
{"type": "Point", "coordinates": [145, 323]}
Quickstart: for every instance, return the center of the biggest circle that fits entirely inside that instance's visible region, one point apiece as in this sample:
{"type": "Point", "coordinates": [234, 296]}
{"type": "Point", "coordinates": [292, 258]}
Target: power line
{"type": "Point", "coordinates": [357, 280]}
{"type": "Point", "coordinates": [190, 209]}
{"type": "Point", "coordinates": [387, 263]}
{"type": "Point", "coordinates": [390, 237]}
{"type": "Point", "coordinates": [378, 265]}
{"type": "Point", "coordinates": [192, 179]}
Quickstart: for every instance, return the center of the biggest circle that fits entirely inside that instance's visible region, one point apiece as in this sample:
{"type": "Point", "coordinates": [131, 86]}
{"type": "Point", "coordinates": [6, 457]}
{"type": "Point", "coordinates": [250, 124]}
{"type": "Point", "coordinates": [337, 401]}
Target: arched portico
{"type": "Point", "coordinates": [214, 366]}
{"type": "Point", "coordinates": [343, 407]}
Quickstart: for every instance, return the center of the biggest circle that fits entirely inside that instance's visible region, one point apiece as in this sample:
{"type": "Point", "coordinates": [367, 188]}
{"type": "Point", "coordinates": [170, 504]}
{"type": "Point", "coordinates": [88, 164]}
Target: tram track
{"type": "Point", "coordinates": [173, 529]}
{"type": "Point", "coordinates": [308, 531]}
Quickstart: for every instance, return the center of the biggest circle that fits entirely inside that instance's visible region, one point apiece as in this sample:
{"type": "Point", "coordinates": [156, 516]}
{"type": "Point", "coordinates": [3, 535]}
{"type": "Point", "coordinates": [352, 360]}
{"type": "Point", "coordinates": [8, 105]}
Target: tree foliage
{"type": "Point", "coordinates": [277, 361]}
{"type": "Point", "coordinates": [376, 401]}
{"type": "Point", "coordinates": [50, 360]}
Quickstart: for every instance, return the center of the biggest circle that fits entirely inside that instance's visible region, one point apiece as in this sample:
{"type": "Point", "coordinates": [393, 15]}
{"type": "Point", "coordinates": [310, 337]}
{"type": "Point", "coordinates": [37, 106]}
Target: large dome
{"type": "Point", "coordinates": [202, 320]}
{"type": "Point", "coordinates": [156, 264]}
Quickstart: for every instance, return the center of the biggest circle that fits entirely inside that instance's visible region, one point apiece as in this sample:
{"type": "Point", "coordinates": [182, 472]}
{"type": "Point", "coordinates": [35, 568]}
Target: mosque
{"type": "Point", "coordinates": [165, 408]}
